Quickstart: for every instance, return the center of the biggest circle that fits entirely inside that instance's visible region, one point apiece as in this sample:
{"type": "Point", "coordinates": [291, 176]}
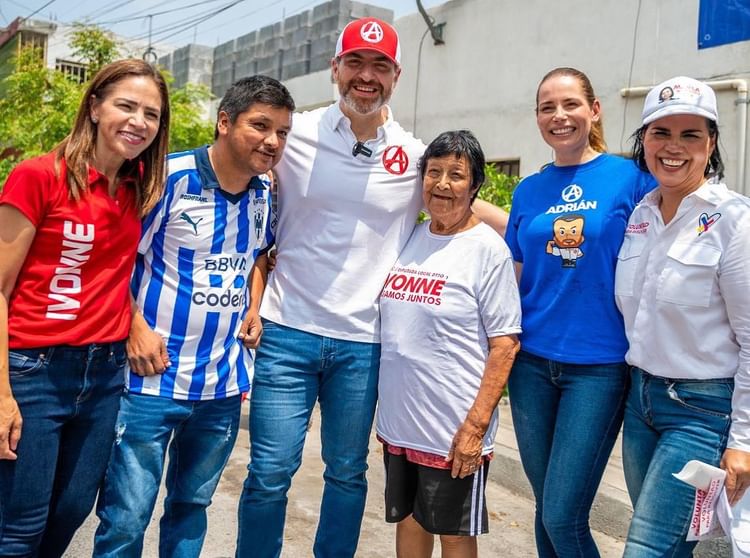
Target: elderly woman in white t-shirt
{"type": "Point", "coordinates": [450, 313]}
{"type": "Point", "coordinates": [682, 284]}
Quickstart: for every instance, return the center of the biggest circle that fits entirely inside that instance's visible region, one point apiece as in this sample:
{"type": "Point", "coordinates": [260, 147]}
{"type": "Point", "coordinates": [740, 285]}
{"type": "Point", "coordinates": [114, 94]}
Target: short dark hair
{"type": "Point", "coordinates": [461, 143]}
{"type": "Point", "coordinates": [715, 166]}
{"type": "Point", "coordinates": [250, 90]}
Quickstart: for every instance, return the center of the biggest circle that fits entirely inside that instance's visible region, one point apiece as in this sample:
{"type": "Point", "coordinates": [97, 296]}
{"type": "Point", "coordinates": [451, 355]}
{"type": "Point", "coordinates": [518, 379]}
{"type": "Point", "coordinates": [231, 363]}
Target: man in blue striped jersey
{"type": "Point", "coordinates": [198, 283]}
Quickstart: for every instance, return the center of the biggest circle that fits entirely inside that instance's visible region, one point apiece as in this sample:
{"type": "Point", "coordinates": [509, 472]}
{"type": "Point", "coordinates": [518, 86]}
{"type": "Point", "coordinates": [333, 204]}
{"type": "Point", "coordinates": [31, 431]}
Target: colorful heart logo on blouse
{"type": "Point", "coordinates": [705, 222]}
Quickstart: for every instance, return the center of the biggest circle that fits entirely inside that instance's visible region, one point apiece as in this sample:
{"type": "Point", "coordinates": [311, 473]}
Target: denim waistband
{"type": "Point", "coordinates": [92, 349]}
{"type": "Point", "coordinates": [666, 380]}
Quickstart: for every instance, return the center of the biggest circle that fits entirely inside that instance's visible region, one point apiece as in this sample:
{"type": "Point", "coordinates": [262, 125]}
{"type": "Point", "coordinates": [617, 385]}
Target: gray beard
{"type": "Point", "coordinates": [364, 109]}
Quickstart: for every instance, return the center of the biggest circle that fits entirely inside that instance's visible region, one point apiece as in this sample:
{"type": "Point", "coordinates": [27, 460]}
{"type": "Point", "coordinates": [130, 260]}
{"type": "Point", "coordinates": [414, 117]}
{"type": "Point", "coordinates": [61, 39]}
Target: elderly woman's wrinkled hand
{"type": "Point", "coordinates": [466, 450]}
{"type": "Point", "coordinates": [736, 463]}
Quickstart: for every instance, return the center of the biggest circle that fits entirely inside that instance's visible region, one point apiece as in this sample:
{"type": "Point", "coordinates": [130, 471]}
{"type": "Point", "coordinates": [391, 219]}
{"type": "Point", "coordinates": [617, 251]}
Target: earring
{"type": "Point", "coordinates": [94, 120]}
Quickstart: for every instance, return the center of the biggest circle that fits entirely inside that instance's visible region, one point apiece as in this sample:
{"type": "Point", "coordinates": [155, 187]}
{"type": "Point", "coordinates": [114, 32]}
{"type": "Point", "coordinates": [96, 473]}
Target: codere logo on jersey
{"type": "Point", "coordinates": [235, 295]}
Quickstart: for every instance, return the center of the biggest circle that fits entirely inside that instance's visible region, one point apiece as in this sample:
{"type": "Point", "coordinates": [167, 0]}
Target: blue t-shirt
{"type": "Point", "coordinates": [566, 226]}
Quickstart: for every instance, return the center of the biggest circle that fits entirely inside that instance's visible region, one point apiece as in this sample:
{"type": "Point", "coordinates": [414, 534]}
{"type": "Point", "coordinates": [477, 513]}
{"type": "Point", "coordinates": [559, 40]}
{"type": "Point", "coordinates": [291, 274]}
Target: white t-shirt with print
{"type": "Point", "coordinates": [445, 296]}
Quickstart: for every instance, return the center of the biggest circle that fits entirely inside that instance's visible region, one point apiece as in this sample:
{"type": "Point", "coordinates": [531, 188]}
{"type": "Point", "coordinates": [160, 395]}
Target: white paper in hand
{"type": "Point", "coordinates": [708, 482]}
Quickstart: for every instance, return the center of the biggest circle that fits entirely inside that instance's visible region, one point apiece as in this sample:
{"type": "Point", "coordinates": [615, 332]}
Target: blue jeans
{"type": "Point", "coordinates": [668, 423]}
{"type": "Point", "coordinates": [566, 418]}
{"type": "Point", "coordinates": [202, 436]}
{"type": "Point", "coordinates": [68, 398]}
{"type": "Point", "coordinates": [293, 369]}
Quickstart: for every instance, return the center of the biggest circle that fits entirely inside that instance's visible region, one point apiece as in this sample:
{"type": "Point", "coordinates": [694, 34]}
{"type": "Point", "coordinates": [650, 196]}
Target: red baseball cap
{"type": "Point", "coordinates": [369, 33]}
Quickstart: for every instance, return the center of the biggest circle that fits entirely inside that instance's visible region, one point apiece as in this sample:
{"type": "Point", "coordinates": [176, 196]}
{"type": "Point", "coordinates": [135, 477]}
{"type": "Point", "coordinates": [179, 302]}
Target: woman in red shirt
{"type": "Point", "coordinates": [70, 228]}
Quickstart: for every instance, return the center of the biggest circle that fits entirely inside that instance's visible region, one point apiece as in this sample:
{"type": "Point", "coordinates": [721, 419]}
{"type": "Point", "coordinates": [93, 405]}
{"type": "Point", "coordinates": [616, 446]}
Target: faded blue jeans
{"type": "Point", "coordinates": [202, 435]}
{"type": "Point", "coordinates": [668, 423]}
{"type": "Point", "coordinates": [566, 418]}
{"type": "Point", "coordinates": [68, 398]}
{"type": "Point", "coordinates": [293, 370]}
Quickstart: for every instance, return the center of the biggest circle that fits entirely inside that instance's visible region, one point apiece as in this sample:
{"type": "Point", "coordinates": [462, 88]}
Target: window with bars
{"type": "Point", "coordinates": [74, 70]}
{"type": "Point", "coordinates": [510, 167]}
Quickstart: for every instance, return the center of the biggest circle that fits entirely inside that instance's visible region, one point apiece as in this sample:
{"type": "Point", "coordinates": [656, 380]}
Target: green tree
{"type": "Point", "coordinates": [188, 127]}
{"type": "Point", "coordinates": [94, 46]}
{"type": "Point", "coordinates": [36, 110]}
{"type": "Point", "coordinates": [498, 187]}
{"type": "Point", "coordinates": [38, 105]}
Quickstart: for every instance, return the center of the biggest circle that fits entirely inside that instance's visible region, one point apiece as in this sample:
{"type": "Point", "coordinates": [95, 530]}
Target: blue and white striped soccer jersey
{"type": "Point", "coordinates": [197, 248]}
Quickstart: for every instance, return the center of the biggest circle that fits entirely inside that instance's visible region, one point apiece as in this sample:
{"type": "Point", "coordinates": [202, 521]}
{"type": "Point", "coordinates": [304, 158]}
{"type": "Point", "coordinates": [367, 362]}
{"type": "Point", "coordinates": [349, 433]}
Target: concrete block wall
{"type": "Point", "coordinates": [223, 73]}
{"type": "Point", "coordinates": [298, 45]}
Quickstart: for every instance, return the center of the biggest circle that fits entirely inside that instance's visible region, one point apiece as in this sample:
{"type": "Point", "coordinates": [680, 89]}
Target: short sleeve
{"type": "Point", "coordinates": [152, 222]}
{"type": "Point", "coordinates": [511, 232]}
{"type": "Point", "coordinates": [498, 298]}
{"type": "Point", "coordinates": [29, 188]}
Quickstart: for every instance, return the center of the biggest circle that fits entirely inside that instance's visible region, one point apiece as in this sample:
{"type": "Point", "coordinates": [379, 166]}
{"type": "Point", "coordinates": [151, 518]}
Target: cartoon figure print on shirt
{"type": "Point", "coordinates": [567, 238]}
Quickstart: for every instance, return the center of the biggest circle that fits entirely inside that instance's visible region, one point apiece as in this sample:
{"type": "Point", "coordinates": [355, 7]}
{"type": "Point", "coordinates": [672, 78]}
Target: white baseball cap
{"type": "Point", "coordinates": [680, 95]}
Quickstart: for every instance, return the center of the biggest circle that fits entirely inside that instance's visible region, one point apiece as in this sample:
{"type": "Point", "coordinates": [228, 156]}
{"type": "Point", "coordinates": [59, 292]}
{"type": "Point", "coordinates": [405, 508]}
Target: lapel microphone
{"type": "Point", "coordinates": [360, 147]}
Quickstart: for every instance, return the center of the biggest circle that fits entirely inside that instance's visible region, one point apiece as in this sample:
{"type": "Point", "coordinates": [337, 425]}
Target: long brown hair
{"type": "Point", "coordinates": [147, 170]}
{"type": "Point", "coordinates": [596, 134]}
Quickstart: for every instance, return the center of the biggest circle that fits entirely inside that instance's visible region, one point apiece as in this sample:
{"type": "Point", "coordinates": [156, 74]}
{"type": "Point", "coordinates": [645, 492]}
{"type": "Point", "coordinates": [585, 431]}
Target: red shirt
{"type": "Point", "coordinates": [73, 287]}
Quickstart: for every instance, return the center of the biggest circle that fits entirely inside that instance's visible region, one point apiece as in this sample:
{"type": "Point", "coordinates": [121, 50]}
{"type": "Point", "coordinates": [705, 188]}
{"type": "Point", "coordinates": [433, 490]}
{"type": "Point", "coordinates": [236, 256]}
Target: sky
{"type": "Point", "coordinates": [178, 22]}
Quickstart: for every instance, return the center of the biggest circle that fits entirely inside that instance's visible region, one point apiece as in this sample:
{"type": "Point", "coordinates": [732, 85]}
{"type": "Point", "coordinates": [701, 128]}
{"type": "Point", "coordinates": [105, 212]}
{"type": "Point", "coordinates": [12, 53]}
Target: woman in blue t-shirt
{"type": "Point", "coordinates": [567, 388]}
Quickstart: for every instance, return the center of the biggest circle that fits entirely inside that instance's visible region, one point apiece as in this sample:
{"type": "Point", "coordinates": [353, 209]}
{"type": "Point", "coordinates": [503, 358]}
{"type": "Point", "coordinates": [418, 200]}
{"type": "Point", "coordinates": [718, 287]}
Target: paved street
{"type": "Point", "coordinates": [511, 516]}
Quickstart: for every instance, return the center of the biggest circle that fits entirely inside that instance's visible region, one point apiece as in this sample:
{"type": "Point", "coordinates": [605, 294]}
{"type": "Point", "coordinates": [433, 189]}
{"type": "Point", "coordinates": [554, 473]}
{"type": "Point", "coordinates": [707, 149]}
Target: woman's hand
{"type": "Point", "coordinates": [736, 463]}
{"type": "Point", "coordinates": [10, 427]}
{"type": "Point", "coordinates": [466, 450]}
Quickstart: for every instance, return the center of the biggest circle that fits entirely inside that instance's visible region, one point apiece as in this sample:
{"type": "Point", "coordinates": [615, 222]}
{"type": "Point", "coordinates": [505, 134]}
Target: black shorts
{"type": "Point", "coordinates": [440, 504]}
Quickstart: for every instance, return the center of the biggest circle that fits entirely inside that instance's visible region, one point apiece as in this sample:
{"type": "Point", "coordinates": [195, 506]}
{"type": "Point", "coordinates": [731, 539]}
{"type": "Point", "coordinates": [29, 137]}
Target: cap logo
{"type": "Point", "coordinates": [371, 32]}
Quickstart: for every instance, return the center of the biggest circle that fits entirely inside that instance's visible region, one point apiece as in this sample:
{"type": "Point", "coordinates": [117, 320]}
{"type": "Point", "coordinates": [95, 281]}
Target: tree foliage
{"type": "Point", "coordinates": [498, 187]}
{"type": "Point", "coordinates": [93, 45]}
{"type": "Point", "coordinates": [189, 128]}
{"type": "Point", "coordinates": [38, 105]}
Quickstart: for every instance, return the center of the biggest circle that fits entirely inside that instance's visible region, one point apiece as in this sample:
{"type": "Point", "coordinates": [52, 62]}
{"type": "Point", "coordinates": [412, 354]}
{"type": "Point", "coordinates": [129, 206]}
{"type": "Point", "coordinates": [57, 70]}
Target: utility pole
{"type": "Point", "coordinates": [150, 54]}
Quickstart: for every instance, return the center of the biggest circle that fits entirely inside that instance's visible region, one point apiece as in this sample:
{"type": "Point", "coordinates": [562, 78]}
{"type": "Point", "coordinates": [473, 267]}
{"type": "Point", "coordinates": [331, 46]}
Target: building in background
{"type": "Point", "coordinates": [485, 74]}
{"type": "Point", "coordinates": [52, 38]}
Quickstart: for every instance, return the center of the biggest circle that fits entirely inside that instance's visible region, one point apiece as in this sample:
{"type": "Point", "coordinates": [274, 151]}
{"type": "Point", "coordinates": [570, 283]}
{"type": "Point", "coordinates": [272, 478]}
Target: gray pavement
{"type": "Point", "coordinates": [511, 513]}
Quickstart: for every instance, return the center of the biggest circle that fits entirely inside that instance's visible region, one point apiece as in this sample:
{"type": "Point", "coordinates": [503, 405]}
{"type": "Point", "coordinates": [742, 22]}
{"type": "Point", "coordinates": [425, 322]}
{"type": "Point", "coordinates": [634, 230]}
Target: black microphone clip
{"type": "Point", "coordinates": [360, 147]}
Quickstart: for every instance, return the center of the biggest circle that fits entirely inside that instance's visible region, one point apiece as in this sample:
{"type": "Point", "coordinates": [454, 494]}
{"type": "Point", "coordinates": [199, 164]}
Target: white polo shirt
{"type": "Point", "coordinates": [684, 292]}
{"type": "Point", "coordinates": [342, 222]}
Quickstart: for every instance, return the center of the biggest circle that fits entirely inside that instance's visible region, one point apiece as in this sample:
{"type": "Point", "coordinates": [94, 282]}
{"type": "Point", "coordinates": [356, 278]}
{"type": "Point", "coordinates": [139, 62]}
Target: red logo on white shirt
{"type": "Point", "coordinates": [637, 228]}
{"type": "Point", "coordinates": [395, 160]}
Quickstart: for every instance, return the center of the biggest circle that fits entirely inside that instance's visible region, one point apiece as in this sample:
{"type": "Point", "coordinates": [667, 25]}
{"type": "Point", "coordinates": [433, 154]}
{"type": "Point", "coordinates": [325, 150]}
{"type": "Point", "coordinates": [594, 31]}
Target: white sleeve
{"type": "Point", "coordinates": [155, 219]}
{"type": "Point", "coordinates": [734, 284]}
{"type": "Point", "coordinates": [498, 298]}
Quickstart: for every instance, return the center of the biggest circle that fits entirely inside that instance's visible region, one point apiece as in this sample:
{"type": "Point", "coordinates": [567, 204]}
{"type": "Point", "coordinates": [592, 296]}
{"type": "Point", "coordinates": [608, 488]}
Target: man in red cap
{"type": "Point", "coordinates": [348, 202]}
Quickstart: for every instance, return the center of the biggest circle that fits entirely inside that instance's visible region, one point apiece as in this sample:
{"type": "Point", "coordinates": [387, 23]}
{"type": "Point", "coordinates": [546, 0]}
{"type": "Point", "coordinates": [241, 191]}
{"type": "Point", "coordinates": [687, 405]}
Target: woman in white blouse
{"type": "Point", "coordinates": [682, 284]}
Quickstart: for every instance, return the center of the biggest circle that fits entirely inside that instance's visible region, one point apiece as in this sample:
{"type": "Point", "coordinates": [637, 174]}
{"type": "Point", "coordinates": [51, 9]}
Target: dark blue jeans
{"type": "Point", "coordinates": [200, 436]}
{"type": "Point", "coordinates": [668, 423]}
{"type": "Point", "coordinates": [566, 418]}
{"type": "Point", "coordinates": [68, 398]}
{"type": "Point", "coordinates": [293, 369]}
